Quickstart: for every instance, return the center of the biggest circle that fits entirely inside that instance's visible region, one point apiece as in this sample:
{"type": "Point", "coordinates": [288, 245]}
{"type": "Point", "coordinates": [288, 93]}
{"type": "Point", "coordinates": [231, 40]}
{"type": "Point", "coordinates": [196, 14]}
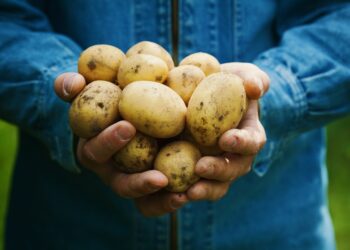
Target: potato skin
{"type": "Point", "coordinates": [142, 67]}
{"type": "Point", "coordinates": [214, 150]}
{"type": "Point", "coordinates": [151, 48]}
{"type": "Point", "coordinates": [216, 106]}
{"type": "Point", "coordinates": [184, 80]}
{"type": "Point", "coordinates": [94, 109]}
{"type": "Point", "coordinates": [100, 62]}
{"type": "Point", "coordinates": [177, 162]}
{"type": "Point", "coordinates": [138, 155]}
{"type": "Point", "coordinates": [206, 62]}
{"type": "Point", "coordinates": [153, 108]}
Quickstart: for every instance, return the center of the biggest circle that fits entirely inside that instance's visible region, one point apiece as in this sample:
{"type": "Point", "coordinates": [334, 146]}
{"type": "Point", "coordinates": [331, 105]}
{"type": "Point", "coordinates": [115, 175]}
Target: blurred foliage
{"type": "Point", "coordinates": [338, 163]}
{"type": "Point", "coordinates": [339, 179]}
{"type": "Point", "coordinates": [8, 143]}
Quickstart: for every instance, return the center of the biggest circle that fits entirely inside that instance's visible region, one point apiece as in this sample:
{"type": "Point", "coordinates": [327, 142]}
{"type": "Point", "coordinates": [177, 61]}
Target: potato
{"type": "Point", "coordinates": [214, 150]}
{"type": "Point", "coordinates": [151, 48]}
{"type": "Point", "coordinates": [177, 162]}
{"type": "Point", "coordinates": [153, 108]}
{"type": "Point", "coordinates": [100, 62]}
{"type": "Point", "coordinates": [94, 109]}
{"type": "Point", "coordinates": [184, 79]}
{"type": "Point", "coordinates": [142, 67]}
{"type": "Point", "coordinates": [138, 155]}
{"type": "Point", "coordinates": [206, 62]}
{"type": "Point", "coordinates": [216, 106]}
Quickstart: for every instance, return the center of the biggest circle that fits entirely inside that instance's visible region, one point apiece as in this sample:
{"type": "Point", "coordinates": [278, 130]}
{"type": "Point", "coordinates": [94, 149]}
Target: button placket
{"type": "Point", "coordinates": [213, 26]}
{"type": "Point", "coordinates": [186, 25]}
{"type": "Point", "coordinates": [163, 18]}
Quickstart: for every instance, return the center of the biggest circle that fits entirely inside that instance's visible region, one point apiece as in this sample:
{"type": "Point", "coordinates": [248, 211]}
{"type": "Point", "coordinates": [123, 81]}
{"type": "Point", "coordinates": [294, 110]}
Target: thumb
{"type": "Point", "coordinates": [68, 85]}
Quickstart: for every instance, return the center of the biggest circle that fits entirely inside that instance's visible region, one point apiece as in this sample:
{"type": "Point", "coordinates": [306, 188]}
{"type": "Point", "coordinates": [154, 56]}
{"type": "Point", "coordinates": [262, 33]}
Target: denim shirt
{"type": "Point", "coordinates": [280, 204]}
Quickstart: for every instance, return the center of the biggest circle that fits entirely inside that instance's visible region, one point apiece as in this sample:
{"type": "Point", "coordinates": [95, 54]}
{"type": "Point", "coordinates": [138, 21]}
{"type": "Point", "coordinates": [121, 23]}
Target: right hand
{"type": "Point", "coordinates": [96, 155]}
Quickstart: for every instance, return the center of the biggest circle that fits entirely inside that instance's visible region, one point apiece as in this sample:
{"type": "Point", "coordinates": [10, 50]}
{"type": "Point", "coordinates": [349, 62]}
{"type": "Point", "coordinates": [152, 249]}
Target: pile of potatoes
{"type": "Point", "coordinates": [179, 112]}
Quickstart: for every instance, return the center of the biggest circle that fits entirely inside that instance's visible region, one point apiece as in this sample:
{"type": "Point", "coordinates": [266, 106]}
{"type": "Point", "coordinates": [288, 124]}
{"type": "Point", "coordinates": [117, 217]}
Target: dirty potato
{"type": "Point", "coordinates": [100, 62]}
{"type": "Point", "coordinates": [206, 62]}
{"type": "Point", "coordinates": [94, 109]}
{"type": "Point", "coordinates": [177, 162]}
{"type": "Point", "coordinates": [153, 108]}
{"type": "Point", "coordinates": [214, 150]}
{"type": "Point", "coordinates": [138, 155]}
{"type": "Point", "coordinates": [142, 67]}
{"type": "Point", "coordinates": [216, 106]}
{"type": "Point", "coordinates": [184, 79]}
{"type": "Point", "coordinates": [151, 48]}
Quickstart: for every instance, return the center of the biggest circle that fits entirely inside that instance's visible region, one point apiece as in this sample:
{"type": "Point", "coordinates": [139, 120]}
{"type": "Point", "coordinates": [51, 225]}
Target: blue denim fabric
{"type": "Point", "coordinates": [281, 204]}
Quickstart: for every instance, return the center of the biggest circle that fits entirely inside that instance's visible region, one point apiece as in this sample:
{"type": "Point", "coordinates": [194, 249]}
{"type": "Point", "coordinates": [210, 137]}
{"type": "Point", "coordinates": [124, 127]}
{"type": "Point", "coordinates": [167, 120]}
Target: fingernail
{"type": "Point", "coordinates": [67, 85]}
{"type": "Point", "coordinates": [205, 169]}
{"type": "Point", "coordinates": [154, 187]}
{"type": "Point", "coordinates": [124, 133]}
{"type": "Point", "coordinates": [175, 204]}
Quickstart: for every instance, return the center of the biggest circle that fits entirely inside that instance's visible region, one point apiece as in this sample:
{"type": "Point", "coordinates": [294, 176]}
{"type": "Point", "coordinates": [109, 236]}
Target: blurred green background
{"type": "Point", "coordinates": [338, 165]}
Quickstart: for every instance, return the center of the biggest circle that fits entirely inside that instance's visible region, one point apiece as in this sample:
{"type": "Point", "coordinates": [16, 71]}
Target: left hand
{"type": "Point", "coordinates": [241, 144]}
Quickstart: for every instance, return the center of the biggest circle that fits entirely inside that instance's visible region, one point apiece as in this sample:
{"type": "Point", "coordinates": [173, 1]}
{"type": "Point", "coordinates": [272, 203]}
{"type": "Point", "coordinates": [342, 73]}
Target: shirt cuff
{"type": "Point", "coordinates": [57, 134]}
{"type": "Point", "coordinates": [281, 108]}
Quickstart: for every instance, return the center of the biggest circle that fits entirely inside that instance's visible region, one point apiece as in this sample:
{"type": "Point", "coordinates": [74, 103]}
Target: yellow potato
{"type": "Point", "coordinates": [142, 67]}
{"type": "Point", "coordinates": [138, 155]}
{"type": "Point", "coordinates": [100, 62]}
{"type": "Point", "coordinates": [214, 150]}
{"type": "Point", "coordinates": [177, 162]}
{"type": "Point", "coordinates": [94, 109]}
{"type": "Point", "coordinates": [216, 106]}
{"type": "Point", "coordinates": [151, 48]}
{"type": "Point", "coordinates": [184, 79]}
{"type": "Point", "coordinates": [206, 62]}
{"type": "Point", "coordinates": [153, 108]}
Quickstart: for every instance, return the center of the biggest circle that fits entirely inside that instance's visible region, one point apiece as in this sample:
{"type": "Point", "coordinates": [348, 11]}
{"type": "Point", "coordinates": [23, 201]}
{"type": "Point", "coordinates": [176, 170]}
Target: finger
{"type": "Point", "coordinates": [255, 81]}
{"type": "Point", "coordinates": [208, 190]}
{"type": "Point", "coordinates": [242, 141]}
{"type": "Point", "coordinates": [69, 85]}
{"type": "Point", "coordinates": [139, 184]}
{"type": "Point", "coordinates": [266, 81]}
{"type": "Point", "coordinates": [101, 148]}
{"type": "Point", "coordinates": [223, 168]}
{"type": "Point", "coordinates": [253, 84]}
{"type": "Point", "coordinates": [160, 203]}
{"type": "Point", "coordinates": [104, 171]}
{"type": "Point", "coordinates": [250, 136]}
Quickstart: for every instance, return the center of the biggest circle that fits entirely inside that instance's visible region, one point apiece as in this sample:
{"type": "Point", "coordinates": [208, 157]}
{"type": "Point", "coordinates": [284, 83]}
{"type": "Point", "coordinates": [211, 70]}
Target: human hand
{"type": "Point", "coordinates": [240, 144]}
{"type": "Point", "coordinates": [256, 82]}
{"type": "Point", "coordinates": [96, 155]}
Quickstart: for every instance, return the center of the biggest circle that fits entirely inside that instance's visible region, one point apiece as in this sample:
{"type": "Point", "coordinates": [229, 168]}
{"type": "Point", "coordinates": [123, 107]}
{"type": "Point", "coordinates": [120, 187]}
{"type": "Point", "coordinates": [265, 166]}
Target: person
{"type": "Point", "coordinates": [58, 200]}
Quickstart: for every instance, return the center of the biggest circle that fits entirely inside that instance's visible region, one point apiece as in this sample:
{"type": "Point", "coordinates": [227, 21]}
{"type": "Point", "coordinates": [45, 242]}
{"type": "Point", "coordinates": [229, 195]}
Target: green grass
{"type": "Point", "coordinates": [338, 162]}
{"type": "Point", "coordinates": [339, 185]}
{"type": "Point", "coordinates": [8, 143]}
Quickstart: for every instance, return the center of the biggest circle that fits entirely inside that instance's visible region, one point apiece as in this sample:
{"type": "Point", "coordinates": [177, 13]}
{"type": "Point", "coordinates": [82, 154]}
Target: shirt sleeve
{"type": "Point", "coordinates": [31, 57]}
{"type": "Point", "coordinates": [310, 77]}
